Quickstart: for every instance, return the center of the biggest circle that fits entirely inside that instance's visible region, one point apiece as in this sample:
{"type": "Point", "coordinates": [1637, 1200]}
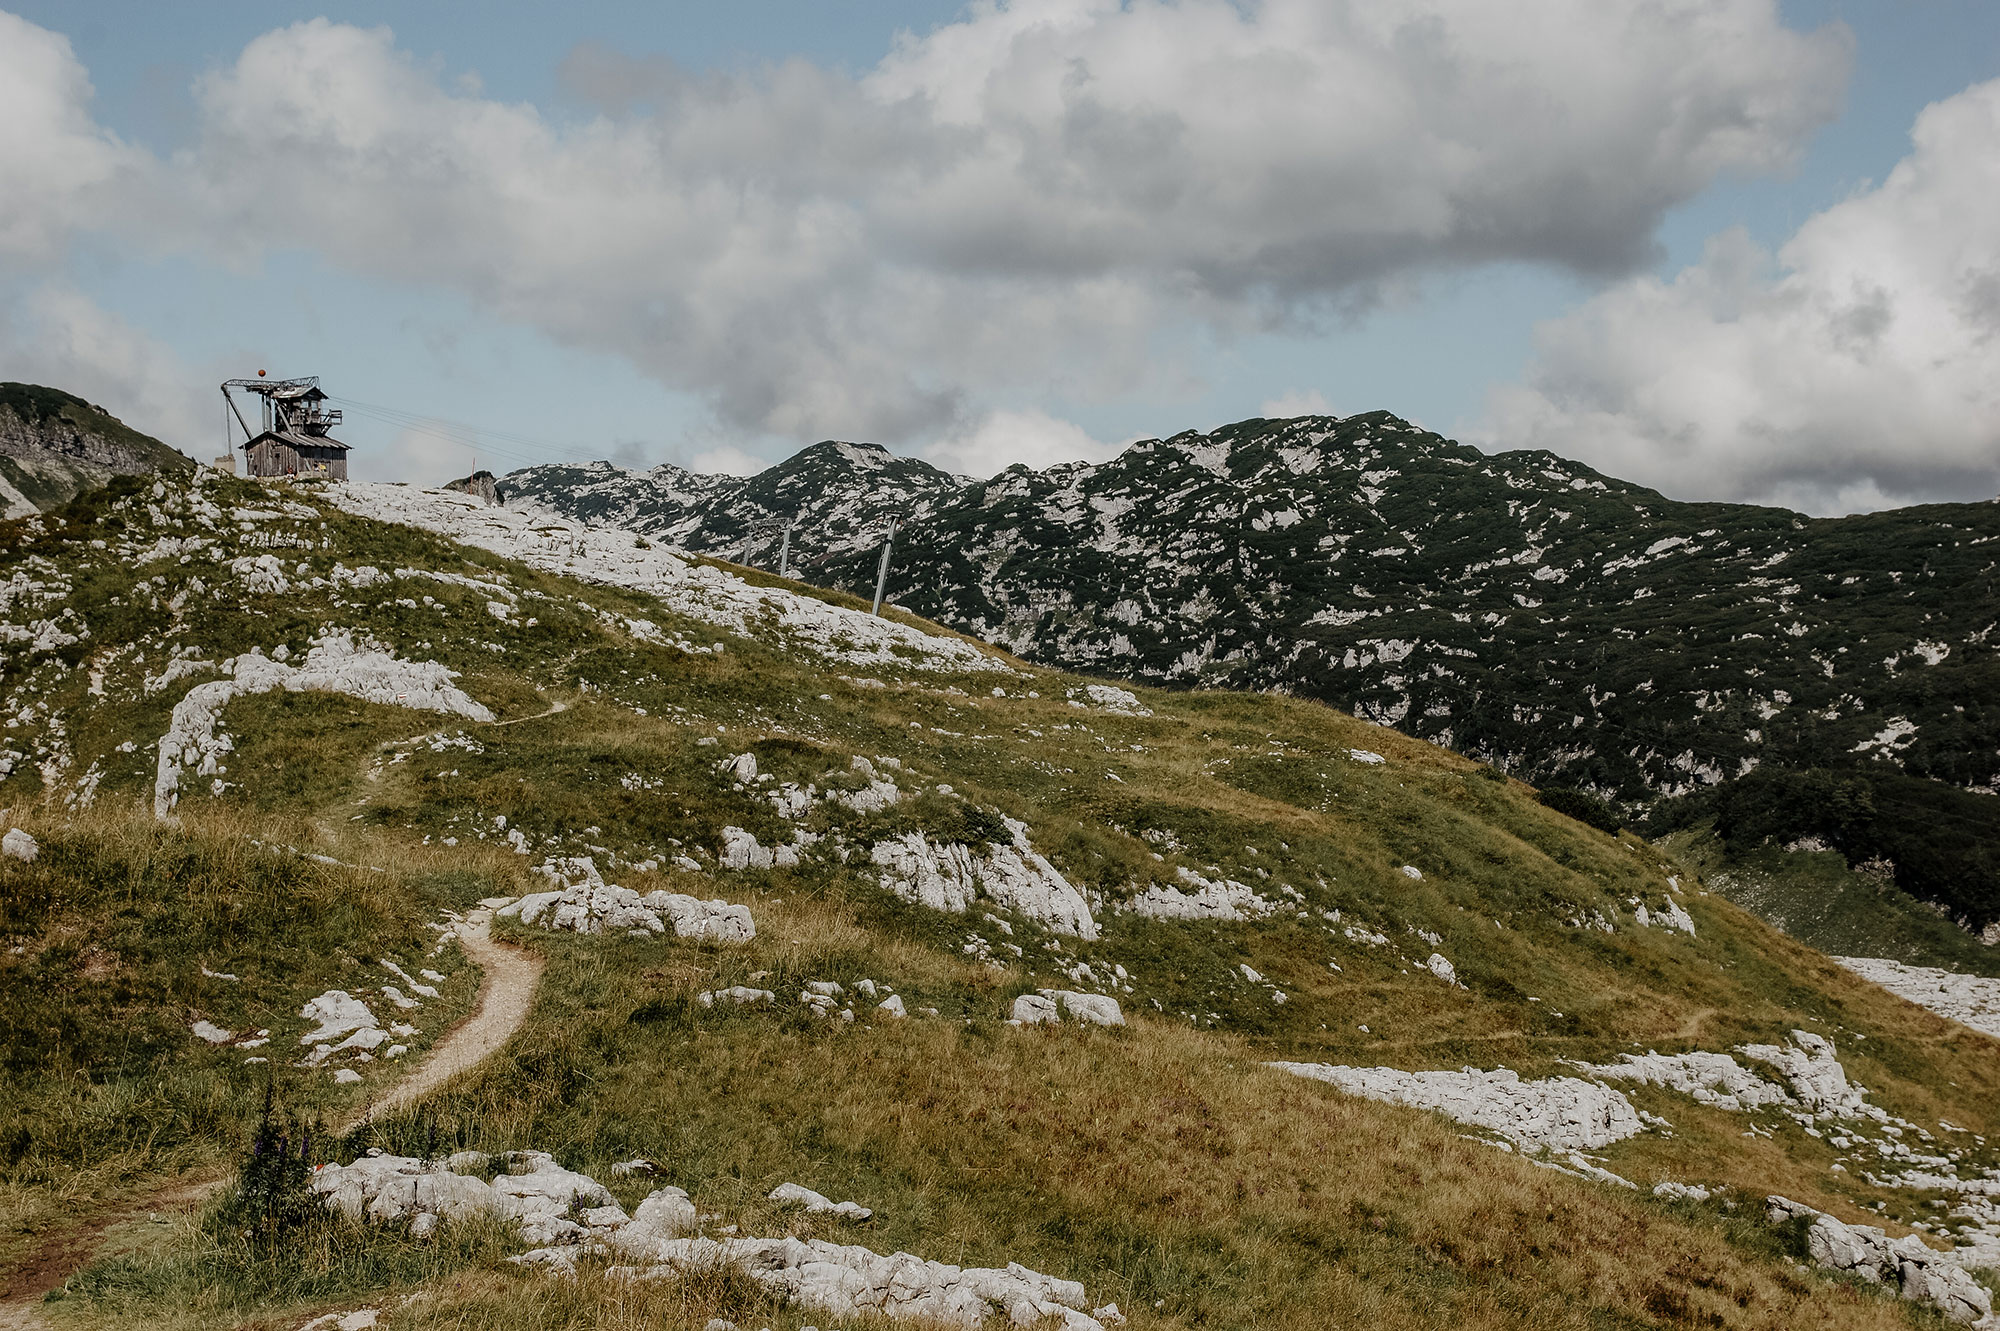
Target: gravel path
{"type": "Point", "coordinates": [508, 976]}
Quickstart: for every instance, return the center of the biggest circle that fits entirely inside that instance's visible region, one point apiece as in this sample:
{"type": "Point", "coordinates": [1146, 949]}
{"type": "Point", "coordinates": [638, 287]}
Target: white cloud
{"type": "Point", "coordinates": [1296, 402]}
{"type": "Point", "coordinates": [58, 169]}
{"type": "Point", "coordinates": [1003, 439]}
{"type": "Point", "coordinates": [1859, 367]}
{"type": "Point", "coordinates": [726, 460]}
{"type": "Point", "coordinates": [1052, 195]}
{"type": "Point", "coordinates": [420, 456]}
{"type": "Point", "coordinates": [53, 334]}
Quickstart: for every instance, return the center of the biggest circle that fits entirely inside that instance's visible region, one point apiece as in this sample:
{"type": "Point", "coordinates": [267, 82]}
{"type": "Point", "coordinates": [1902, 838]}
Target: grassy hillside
{"type": "Point", "coordinates": [1161, 1164]}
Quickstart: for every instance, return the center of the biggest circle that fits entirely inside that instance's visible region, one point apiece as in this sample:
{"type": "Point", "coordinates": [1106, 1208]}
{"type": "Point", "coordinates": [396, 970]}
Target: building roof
{"type": "Point", "coordinates": [299, 441]}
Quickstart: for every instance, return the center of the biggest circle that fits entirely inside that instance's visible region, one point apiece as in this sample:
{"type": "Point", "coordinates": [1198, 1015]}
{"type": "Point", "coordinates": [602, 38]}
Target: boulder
{"type": "Point", "coordinates": [793, 1194]}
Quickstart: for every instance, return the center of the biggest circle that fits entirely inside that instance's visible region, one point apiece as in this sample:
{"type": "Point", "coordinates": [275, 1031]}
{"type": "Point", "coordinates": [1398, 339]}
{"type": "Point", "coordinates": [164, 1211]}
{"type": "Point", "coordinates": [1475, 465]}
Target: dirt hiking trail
{"type": "Point", "coordinates": [508, 977]}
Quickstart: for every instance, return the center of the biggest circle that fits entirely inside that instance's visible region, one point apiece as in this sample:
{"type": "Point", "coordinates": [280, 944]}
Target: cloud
{"type": "Point", "coordinates": [1296, 402]}
{"type": "Point", "coordinates": [1858, 367]}
{"type": "Point", "coordinates": [1064, 196]}
{"type": "Point", "coordinates": [1003, 439]}
{"type": "Point", "coordinates": [420, 456]}
{"type": "Point", "coordinates": [54, 334]}
{"type": "Point", "coordinates": [726, 460]}
{"type": "Point", "coordinates": [60, 170]}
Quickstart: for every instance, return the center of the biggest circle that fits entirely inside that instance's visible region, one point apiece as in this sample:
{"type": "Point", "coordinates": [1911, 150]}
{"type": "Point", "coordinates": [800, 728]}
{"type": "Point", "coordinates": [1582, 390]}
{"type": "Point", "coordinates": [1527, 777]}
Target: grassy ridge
{"type": "Point", "coordinates": [1159, 1164]}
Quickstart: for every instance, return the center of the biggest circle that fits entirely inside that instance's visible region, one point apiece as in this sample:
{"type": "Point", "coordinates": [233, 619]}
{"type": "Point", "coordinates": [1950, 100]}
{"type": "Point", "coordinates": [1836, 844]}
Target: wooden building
{"type": "Point", "coordinates": [295, 439]}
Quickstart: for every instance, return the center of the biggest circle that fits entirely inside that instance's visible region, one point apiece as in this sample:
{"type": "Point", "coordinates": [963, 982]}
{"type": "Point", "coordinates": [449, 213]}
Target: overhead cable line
{"type": "Point", "coordinates": [506, 444]}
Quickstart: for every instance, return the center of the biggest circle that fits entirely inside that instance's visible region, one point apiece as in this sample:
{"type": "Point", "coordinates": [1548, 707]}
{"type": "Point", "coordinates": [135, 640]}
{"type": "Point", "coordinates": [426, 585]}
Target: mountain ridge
{"type": "Point", "coordinates": [1492, 603]}
{"type": "Point", "coordinates": [54, 446]}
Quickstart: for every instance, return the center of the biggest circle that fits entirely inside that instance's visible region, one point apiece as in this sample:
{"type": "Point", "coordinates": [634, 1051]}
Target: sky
{"type": "Point", "coordinates": [1731, 249]}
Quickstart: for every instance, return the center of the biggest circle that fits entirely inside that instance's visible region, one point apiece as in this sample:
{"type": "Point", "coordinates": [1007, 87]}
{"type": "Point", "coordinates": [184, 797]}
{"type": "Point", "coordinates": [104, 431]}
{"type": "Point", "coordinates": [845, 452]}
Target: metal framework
{"type": "Point", "coordinates": [296, 438]}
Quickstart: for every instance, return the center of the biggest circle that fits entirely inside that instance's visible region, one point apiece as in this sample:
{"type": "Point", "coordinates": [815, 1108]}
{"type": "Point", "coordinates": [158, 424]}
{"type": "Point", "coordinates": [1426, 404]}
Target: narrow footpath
{"type": "Point", "coordinates": [507, 981]}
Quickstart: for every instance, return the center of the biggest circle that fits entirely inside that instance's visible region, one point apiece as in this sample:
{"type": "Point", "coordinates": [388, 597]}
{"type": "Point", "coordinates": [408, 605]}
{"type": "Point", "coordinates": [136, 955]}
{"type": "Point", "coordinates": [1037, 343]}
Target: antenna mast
{"type": "Point", "coordinates": [882, 570]}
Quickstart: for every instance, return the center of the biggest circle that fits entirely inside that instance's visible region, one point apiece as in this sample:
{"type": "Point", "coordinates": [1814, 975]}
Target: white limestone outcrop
{"type": "Point", "coordinates": [952, 876]}
{"type": "Point", "coordinates": [18, 845]}
{"type": "Point", "coordinates": [1815, 1080]}
{"type": "Point", "coordinates": [336, 662]}
{"type": "Point", "coordinates": [1672, 915]}
{"type": "Point", "coordinates": [1223, 900]}
{"type": "Point", "coordinates": [1108, 698]}
{"type": "Point", "coordinates": [844, 1280]}
{"type": "Point", "coordinates": [1970, 1000]}
{"type": "Point", "coordinates": [1924, 1274]}
{"type": "Point", "coordinates": [335, 1013]}
{"type": "Point", "coordinates": [569, 1217]}
{"type": "Point", "coordinates": [1711, 1079]}
{"type": "Point", "coordinates": [1557, 1113]}
{"type": "Point", "coordinates": [740, 850]}
{"type": "Point", "coordinates": [794, 1194]}
{"type": "Point", "coordinates": [586, 904]}
{"type": "Point", "coordinates": [1814, 1071]}
{"type": "Point", "coordinates": [1047, 1006]}
{"type": "Point", "coordinates": [739, 994]}
{"type": "Point", "coordinates": [537, 1194]}
{"type": "Point", "coordinates": [696, 591]}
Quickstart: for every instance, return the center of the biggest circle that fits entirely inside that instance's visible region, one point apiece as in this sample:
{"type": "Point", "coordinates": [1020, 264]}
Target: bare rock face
{"type": "Point", "coordinates": [1925, 1275]}
{"type": "Point", "coordinates": [1558, 1113]}
{"type": "Point", "coordinates": [480, 485]}
{"type": "Point", "coordinates": [54, 446]}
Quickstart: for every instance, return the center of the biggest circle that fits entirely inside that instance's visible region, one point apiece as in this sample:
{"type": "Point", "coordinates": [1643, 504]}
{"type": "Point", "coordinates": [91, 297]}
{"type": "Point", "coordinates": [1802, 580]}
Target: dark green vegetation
{"type": "Point", "coordinates": [55, 446]}
{"type": "Point", "coordinates": [1158, 1163]}
{"type": "Point", "coordinates": [1937, 843]}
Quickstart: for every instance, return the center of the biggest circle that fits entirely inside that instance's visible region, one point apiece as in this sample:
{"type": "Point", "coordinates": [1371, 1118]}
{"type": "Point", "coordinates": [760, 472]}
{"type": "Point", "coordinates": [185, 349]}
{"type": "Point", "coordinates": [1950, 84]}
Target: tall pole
{"type": "Point", "coordinates": [882, 570]}
{"type": "Point", "coordinates": [785, 549]}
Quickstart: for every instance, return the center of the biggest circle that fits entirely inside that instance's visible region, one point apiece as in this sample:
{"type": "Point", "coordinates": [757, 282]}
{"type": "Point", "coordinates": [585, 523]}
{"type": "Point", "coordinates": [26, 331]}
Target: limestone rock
{"type": "Point", "coordinates": [665, 1215]}
{"type": "Point", "coordinates": [586, 904]}
{"type": "Point", "coordinates": [1558, 1113]}
{"type": "Point", "coordinates": [793, 1194]}
{"type": "Point", "coordinates": [739, 994]}
{"type": "Point", "coordinates": [1924, 1274]}
{"type": "Point", "coordinates": [18, 845]}
{"type": "Point", "coordinates": [1971, 1000]}
{"type": "Point", "coordinates": [700, 592]}
{"type": "Point", "coordinates": [850, 1281]}
{"type": "Point", "coordinates": [952, 876]}
{"type": "Point", "coordinates": [335, 663]}
{"type": "Point", "coordinates": [1211, 899]}
{"type": "Point", "coordinates": [1096, 1009]}
{"type": "Point", "coordinates": [1048, 1005]}
{"type": "Point", "coordinates": [1033, 1009]}
{"type": "Point", "coordinates": [1711, 1079]}
{"type": "Point", "coordinates": [1814, 1072]}
{"type": "Point", "coordinates": [1682, 1192]}
{"type": "Point", "coordinates": [337, 1012]}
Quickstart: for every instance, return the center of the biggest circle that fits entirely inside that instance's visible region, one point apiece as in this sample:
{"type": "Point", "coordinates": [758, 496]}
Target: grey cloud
{"type": "Point", "coordinates": [1051, 195]}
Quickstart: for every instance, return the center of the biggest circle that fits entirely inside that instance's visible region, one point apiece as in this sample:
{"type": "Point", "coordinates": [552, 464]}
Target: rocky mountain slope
{"type": "Point", "coordinates": [887, 977]}
{"type": "Point", "coordinates": [54, 446]}
{"type": "Point", "coordinates": [1517, 607]}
